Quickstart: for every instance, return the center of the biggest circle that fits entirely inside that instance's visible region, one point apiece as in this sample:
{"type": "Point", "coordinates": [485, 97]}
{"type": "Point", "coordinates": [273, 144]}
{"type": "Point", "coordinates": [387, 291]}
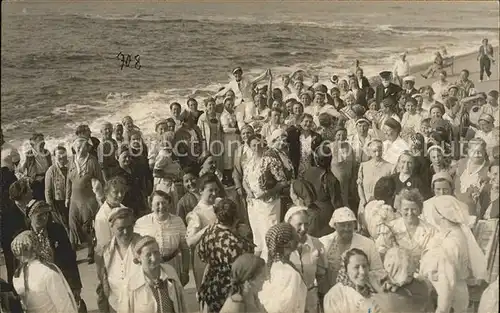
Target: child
{"type": "Point", "coordinates": [350, 124]}
{"type": "Point", "coordinates": [373, 109]}
{"type": "Point", "coordinates": [426, 129]}
{"type": "Point", "coordinates": [166, 172]}
{"type": "Point", "coordinates": [326, 127]}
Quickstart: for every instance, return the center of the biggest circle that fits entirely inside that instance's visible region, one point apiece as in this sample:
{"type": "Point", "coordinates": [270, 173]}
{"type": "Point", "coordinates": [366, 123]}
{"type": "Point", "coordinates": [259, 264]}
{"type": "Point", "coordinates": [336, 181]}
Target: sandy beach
{"type": "Point", "coordinates": [88, 272]}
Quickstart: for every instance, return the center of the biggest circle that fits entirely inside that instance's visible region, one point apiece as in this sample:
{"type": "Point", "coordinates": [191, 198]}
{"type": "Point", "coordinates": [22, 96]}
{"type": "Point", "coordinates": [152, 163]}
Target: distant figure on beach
{"type": "Point", "coordinates": [485, 58]}
{"type": "Point", "coordinates": [437, 65]}
{"type": "Point", "coordinates": [401, 69]}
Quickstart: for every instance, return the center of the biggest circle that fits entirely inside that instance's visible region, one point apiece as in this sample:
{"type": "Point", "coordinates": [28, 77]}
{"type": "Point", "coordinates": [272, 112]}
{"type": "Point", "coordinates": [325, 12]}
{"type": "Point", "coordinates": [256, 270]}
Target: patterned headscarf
{"type": "Point", "coordinates": [344, 279]}
{"type": "Point", "coordinates": [277, 238]}
{"type": "Point", "coordinates": [244, 268]}
{"type": "Point", "coordinates": [27, 242]}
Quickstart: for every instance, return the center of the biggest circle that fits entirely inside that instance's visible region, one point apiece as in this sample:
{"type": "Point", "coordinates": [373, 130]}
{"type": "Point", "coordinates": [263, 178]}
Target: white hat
{"type": "Point", "coordinates": [293, 210]}
{"type": "Point", "coordinates": [409, 79]}
{"type": "Point", "coordinates": [275, 134]}
{"type": "Point", "coordinates": [342, 215]}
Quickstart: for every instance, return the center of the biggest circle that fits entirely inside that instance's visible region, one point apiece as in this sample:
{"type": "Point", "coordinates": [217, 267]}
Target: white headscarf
{"type": "Point", "coordinates": [451, 209]}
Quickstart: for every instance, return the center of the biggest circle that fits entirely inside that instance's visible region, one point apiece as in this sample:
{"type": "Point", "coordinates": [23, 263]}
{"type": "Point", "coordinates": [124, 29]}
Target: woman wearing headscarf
{"type": "Point", "coordinates": [309, 257]}
{"type": "Point", "coordinates": [169, 231]}
{"type": "Point", "coordinates": [81, 199]}
{"type": "Point", "coordinates": [219, 247]}
{"type": "Point", "coordinates": [285, 290]}
{"type": "Point", "coordinates": [380, 209]}
{"type": "Point", "coordinates": [54, 245]}
{"type": "Point", "coordinates": [407, 231]}
{"type": "Point", "coordinates": [327, 189]}
{"type": "Point", "coordinates": [156, 287]}
{"type": "Point", "coordinates": [248, 272]}
{"type": "Point", "coordinates": [442, 185]}
{"type": "Point", "coordinates": [344, 238]}
{"type": "Point", "coordinates": [211, 132]}
{"type": "Point", "coordinates": [471, 174]}
{"type": "Point", "coordinates": [406, 293]}
{"type": "Point", "coordinates": [354, 286]}
{"type": "Point", "coordinates": [371, 171]}
{"type": "Point", "coordinates": [40, 284]}
{"type": "Point", "coordinates": [452, 256]}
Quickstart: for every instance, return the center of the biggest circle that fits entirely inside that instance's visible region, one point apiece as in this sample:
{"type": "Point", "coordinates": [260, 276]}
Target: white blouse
{"type": "Point", "coordinates": [170, 233]}
{"type": "Point", "coordinates": [285, 291]}
{"type": "Point", "coordinates": [48, 290]}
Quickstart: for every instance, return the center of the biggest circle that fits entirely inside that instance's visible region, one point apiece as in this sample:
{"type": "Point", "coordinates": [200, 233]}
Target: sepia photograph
{"type": "Point", "coordinates": [249, 156]}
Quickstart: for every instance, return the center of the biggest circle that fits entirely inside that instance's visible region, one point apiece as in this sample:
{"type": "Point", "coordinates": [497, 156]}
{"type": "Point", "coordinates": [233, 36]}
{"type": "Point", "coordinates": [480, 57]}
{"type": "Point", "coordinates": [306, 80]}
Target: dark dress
{"type": "Point", "coordinates": [219, 248]}
{"type": "Point", "coordinates": [64, 255]}
{"type": "Point", "coordinates": [186, 204]}
{"type": "Point", "coordinates": [12, 220]}
{"type": "Point", "coordinates": [329, 198]}
{"type": "Point", "coordinates": [412, 182]}
{"type": "Point", "coordinates": [138, 189]}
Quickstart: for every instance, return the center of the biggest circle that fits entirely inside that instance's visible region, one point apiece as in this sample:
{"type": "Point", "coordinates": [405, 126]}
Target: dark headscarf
{"type": "Point", "coordinates": [244, 268]}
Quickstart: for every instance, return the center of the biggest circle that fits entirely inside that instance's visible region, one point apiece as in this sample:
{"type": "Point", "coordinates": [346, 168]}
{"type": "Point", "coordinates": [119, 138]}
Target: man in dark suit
{"type": "Point", "coordinates": [409, 86]}
{"type": "Point", "coordinates": [387, 89]}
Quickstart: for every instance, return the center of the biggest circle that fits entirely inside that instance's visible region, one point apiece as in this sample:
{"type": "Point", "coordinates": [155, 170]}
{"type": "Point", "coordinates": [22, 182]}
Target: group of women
{"type": "Point", "coordinates": [341, 200]}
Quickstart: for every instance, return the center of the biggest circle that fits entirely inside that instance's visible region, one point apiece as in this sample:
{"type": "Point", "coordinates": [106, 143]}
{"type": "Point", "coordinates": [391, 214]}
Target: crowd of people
{"type": "Point", "coordinates": [344, 196]}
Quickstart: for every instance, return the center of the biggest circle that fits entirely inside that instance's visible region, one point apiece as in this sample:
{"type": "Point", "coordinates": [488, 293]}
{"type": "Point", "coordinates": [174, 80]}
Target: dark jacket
{"type": "Point", "coordinates": [392, 91]}
{"type": "Point", "coordinates": [365, 84]}
{"type": "Point", "coordinates": [295, 149]}
{"type": "Point", "coordinates": [64, 255]}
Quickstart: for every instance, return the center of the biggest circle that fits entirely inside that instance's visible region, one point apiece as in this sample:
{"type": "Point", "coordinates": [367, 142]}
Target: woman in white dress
{"type": "Point", "coordinates": [200, 219]}
{"type": "Point", "coordinates": [452, 256]}
{"type": "Point", "coordinates": [40, 285]}
{"type": "Point", "coordinates": [285, 291]}
{"type": "Point", "coordinates": [265, 178]}
{"type": "Point", "coordinates": [169, 231]}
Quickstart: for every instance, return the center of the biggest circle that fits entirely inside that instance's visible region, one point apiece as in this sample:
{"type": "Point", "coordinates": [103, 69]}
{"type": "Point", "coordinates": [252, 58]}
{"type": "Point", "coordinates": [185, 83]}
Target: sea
{"type": "Point", "coordinates": [61, 60]}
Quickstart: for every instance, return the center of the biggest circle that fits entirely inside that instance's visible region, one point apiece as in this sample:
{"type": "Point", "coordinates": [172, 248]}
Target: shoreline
{"type": "Point", "coordinates": [419, 68]}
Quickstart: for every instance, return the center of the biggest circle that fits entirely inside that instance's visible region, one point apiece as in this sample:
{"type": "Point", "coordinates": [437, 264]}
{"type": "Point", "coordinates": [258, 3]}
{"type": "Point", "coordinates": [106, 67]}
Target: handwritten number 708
{"type": "Point", "coordinates": [126, 59]}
